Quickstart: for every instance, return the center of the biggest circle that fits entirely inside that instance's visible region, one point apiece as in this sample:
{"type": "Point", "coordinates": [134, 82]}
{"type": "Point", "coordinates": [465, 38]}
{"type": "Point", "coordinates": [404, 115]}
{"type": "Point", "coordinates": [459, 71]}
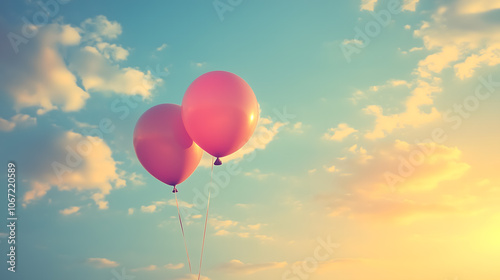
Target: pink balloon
{"type": "Point", "coordinates": [220, 112]}
{"type": "Point", "coordinates": [163, 146]}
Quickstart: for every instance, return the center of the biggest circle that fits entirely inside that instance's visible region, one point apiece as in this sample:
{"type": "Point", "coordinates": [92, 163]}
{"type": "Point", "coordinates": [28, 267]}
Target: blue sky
{"type": "Point", "coordinates": [333, 128]}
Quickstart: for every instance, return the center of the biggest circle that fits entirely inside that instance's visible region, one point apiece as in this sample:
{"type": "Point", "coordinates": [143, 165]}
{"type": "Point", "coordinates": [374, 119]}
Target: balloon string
{"type": "Point", "coordinates": [206, 220]}
{"type": "Point", "coordinates": [182, 229]}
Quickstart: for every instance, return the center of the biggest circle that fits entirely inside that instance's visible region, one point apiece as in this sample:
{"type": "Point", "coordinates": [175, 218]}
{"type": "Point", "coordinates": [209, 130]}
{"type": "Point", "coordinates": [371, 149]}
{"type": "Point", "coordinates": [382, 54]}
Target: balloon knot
{"type": "Point", "coordinates": [175, 190]}
{"type": "Point", "coordinates": [218, 161]}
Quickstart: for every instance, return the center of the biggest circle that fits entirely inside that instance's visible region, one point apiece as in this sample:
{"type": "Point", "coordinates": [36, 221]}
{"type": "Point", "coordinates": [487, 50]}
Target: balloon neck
{"type": "Point", "coordinates": [175, 190]}
{"type": "Point", "coordinates": [218, 161]}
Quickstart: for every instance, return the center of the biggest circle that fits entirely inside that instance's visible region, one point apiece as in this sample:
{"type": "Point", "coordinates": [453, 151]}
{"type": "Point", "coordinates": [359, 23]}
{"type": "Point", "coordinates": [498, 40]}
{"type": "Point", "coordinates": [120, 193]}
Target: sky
{"type": "Point", "coordinates": [375, 155]}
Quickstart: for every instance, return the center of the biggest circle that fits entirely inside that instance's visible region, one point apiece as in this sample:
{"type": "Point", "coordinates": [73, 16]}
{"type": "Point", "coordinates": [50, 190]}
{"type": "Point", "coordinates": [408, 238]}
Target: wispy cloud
{"type": "Point", "coordinates": [102, 262]}
{"type": "Point", "coordinates": [147, 268]}
{"type": "Point", "coordinates": [22, 120]}
{"type": "Point", "coordinates": [182, 203]}
{"type": "Point", "coordinates": [149, 208]}
{"type": "Point", "coordinates": [70, 210]}
{"type": "Point", "coordinates": [192, 277]}
{"type": "Point", "coordinates": [174, 266]}
{"type": "Point", "coordinates": [339, 133]}
{"type": "Point", "coordinates": [257, 174]}
{"type": "Point", "coordinates": [230, 228]}
{"type": "Point", "coordinates": [368, 5]}
{"type": "Point", "coordinates": [162, 47]}
{"type": "Point", "coordinates": [198, 64]}
{"type": "Point", "coordinates": [410, 5]}
{"type": "Point", "coordinates": [153, 267]}
{"type": "Point", "coordinates": [388, 172]}
{"type": "Point", "coordinates": [239, 268]}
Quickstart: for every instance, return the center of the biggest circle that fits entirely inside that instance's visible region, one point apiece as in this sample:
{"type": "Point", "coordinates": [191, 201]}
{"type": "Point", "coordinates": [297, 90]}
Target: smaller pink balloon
{"type": "Point", "coordinates": [164, 147]}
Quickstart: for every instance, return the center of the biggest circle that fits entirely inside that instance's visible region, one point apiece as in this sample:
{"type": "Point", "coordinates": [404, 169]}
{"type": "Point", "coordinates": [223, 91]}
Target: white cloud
{"type": "Point", "coordinates": [6, 125]}
{"type": "Point", "coordinates": [174, 266]}
{"type": "Point", "coordinates": [162, 47]}
{"type": "Point", "coordinates": [218, 223]}
{"type": "Point", "coordinates": [136, 179]}
{"type": "Point", "coordinates": [460, 36]}
{"type": "Point", "coordinates": [157, 205]}
{"type": "Point", "coordinates": [240, 268]}
{"type": "Point", "coordinates": [254, 227]}
{"type": "Point", "coordinates": [147, 268]}
{"type": "Point", "coordinates": [439, 163]}
{"type": "Point", "coordinates": [100, 28]}
{"type": "Point", "coordinates": [230, 228]}
{"type": "Point", "coordinates": [99, 74]}
{"type": "Point", "coordinates": [392, 83]}
{"type": "Point", "coordinates": [82, 124]}
{"type": "Point", "coordinates": [243, 234]}
{"type": "Point", "coordinates": [243, 205]}
{"type": "Point", "coordinates": [47, 75]}
{"type": "Point", "coordinates": [199, 64]}
{"type": "Point", "coordinates": [368, 5]}
{"type": "Point", "coordinates": [390, 186]}
{"type": "Point", "coordinates": [131, 211]}
{"type": "Point", "coordinates": [396, 83]}
{"type": "Point", "coordinates": [455, 41]}
{"type": "Point", "coordinates": [222, 232]}
{"type": "Point", "coordinates": [352, 41]}
{"type": "Point", "coordinates": [16, 120]}
{"type": "Point", "coordinates": [360, 153]}
{"type": "Point", "coordinates": [70, 210]}
{"type": "Point", "coordinates": [416, 49]}
{"type": "Point", "coordinates": [69, 36]}
{"type": "Point", "coordinates": [331, 169]}
{"type": "Point", "coordinates": [263, 237]}
{"type": "Point", "coordinates": [257, 174]}
{"type": "Point", "coordinates": [102, 262]}
{"type": "Point", "coordinates": [339, 133]}
{"type": "Point", "coordinates": [356, 96]}
{"type": "Point", "coordinates": [298, 127]}
{"type": "Point", "coordinates": [437, 62]}
{"type": "Point", "coordinates": [422, 95]}
{"type": "Point", "coordinates": [410, 5]}
{"type": "Point", "coordinates": [182, 203]}
{"type": "Point", "coordinates": [39, 77]}
{"type": "Point", "coordinates": [489, 56]}
{"type": "Point", "coordinates": [112, 51]}
{"type": "Point", "coordinates": [192, 277]}
{"type": "Point", "coordinates": [73, 162]}
{"type": "Point", "coordinates": [148, 209]}
{"type": "Point", "coordinates": [477, 6]}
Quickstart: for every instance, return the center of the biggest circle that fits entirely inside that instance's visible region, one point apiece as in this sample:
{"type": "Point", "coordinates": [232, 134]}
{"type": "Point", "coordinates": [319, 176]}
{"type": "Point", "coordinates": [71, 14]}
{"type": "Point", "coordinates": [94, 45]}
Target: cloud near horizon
{"type": "Point", "coordinates": [392, 184]}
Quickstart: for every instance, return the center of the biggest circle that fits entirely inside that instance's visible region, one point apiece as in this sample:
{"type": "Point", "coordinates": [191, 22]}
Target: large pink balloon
{"type": "Point", "coordinates": [163, 146]}
{"type": "Point", "coordinates": [220, 112]}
